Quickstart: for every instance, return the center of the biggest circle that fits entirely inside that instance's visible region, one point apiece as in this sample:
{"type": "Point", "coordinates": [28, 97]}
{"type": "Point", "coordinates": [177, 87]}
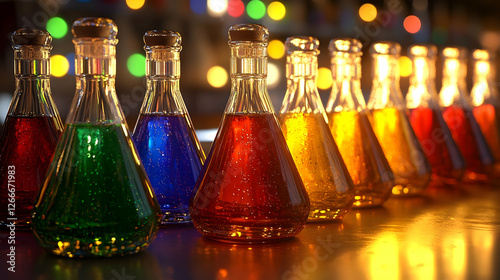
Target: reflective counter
{"type": "Point", "coordinates": [446, 234]}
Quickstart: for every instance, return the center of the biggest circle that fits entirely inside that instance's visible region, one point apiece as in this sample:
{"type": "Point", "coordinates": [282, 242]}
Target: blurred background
{"type": "Point", "coordinates": [203, 24]}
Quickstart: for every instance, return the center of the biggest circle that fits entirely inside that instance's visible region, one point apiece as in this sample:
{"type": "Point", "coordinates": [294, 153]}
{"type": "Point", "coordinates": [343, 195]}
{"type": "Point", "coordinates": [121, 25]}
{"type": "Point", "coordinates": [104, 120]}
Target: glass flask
{"type": "Point", "coordinates": [164, 134]}
{"type": "Point", "coordinates": [427, 121]}
{"type": "Point", "coordinates": [349, 123]}
{"type": "Point", "coordinates": [96, 200]}
{"type": "Point", "coordinates": [390, 123]}
{"type": "Point", "coordinates": [486, 103]}
{"type": "Point", "coordinates": [303, 122]}
{"type": "Point", "coordinates": [458, 115]}
{"type": "Point", "coordinates": [31, 129]}
{"type": "Point", "coordinates": [249, 189]}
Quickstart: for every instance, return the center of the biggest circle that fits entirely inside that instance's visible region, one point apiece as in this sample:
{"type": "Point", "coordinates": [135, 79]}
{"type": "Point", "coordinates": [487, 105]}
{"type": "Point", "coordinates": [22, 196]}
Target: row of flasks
{"type": "Point", "coordinates": [88, 188]}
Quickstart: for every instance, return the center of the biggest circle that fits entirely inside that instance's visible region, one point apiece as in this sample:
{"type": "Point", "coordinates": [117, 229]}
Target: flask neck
{"type": "Point", "coordinates": [484, 90]}
{"type": "Point", "coordinates": [163, 62]}
{"type": "Point", "coordinates": [248, 79]}
{"type": "Point", "coordinates": [346, 92]}
{"type": "Point", "coordinates": [422, 90]}
{"type": "Point", "coordinates": [95, 57]}
{"type": "Point", "coordinates": [31, 60]}
{"type": "Point", "coordinates": [453, 84]}
{"type": "Point", "coordinates": [385, 91]}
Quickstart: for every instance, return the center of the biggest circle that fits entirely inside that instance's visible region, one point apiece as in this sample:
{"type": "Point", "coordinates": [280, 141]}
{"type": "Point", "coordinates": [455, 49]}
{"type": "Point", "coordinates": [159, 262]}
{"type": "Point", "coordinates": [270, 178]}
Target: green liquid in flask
{"type": "Point", "coordinates": [97, 200]}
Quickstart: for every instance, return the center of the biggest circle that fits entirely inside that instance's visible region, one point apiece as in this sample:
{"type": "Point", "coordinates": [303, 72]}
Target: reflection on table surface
{"type": "Point", "coordinates": [447, 234]}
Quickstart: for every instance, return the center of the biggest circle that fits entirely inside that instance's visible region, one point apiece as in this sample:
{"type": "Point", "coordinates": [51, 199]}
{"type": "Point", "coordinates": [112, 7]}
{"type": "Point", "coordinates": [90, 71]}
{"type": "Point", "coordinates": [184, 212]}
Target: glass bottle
{"type": "Point", "coordinates": [31, 129]}
{"type": "Point", "coordinates": [249, 189]}
{"type": "Point", "coordinates": [349, 123]}
{"type": "Point", "coordinates": [303, 122]}
{"type": "Point", "coordinates": [486, 103]}
{"type": "Point", "coordinates": [459, 117]}
{"type": "Point", "coordinates": [96, 199]}
{"type": "Point", "coordinates": [426, 119]}
{"type": "Point", "coordinates": [412, 171]}
{"type": "Point", "coordinates": [164, 134]}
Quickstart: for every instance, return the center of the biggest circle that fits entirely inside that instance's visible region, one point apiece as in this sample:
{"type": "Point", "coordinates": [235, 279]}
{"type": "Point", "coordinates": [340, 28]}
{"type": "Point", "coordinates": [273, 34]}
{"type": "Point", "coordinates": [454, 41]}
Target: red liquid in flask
{"type": "Point", "coordinates": [438, 145]}
{"type": "Point", "coordinates": [26, 147]}
{"type": "Point", "coordinates": [248, 184]}
{"type": "Point", "coordinates": [470, 141]}
{"type": "Point", "coordinates": [487, 117]}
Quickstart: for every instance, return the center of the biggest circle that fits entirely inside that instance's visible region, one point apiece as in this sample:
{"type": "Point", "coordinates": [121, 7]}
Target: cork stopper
{"type": "Point", "coordinates": [248, 32]}
{"type": "Point", "coordinates": [385, 48]}
{"type": "Point", "coordinates": [164, 38]}
{"type": "Point", "coordinates": [345, 45]}
{"type": "Point", "coordinates": [302, 44]}
{"type": "Point", "coordinates": [95, 28]}
{"type": "Point", "coordinates": [28, 36]}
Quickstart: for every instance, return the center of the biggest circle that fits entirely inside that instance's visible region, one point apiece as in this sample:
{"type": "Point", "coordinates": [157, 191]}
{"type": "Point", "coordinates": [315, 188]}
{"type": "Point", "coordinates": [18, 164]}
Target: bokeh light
{"type": "Point", "coordinates": [57, 27]}
{"type": "Point", "coordinates": [324, 80]}
{"type": "Point", "coordinates": [198, 6]}
{"type": "Point", "coordinates": [412, 24]}
{"type": "Point", "coordinates": [276, 10]}
{"type": "Point", "coordinates": [367, 12]}
{"type": "Point", "coordinates": [59, 65]}
{"type": "Point", "coordinates": [235, 8]}
{"type": "Point", "coordinates": [136, 64]}
{"type": "Point", "coordinates": [217, 76]}
{"type": "Point", "coordinates": [135, 4]}
{"type": "Point", "coordinates": [256, 9]}
{"type": "Point", "coordinates": [276, 49]}
{"type": "Point", "coordinates": [216, 8]}
{"type": "Point", "coordinates": [405, 66]}
{"type": "Point", "coordinates": [273, 75]}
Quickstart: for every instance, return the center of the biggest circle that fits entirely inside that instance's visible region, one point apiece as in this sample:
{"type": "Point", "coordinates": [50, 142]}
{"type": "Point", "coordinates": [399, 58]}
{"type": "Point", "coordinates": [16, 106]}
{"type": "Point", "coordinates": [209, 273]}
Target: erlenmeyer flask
{"type": "Point", "coordinates": [426, 119]}
{"type": "Point", "coordinates": [303, 122]}
{"type": "Point", "coordinates": [249, 189]}
{"type": "Point", "coordinates": [412, 171]}
{"type": "Point", "coordinates": [96, 199]}
{"type": "Point", "coordinates": [350, 125]}
{"type": "Point", "coordinates": [486, 103]}
{"type": "Point", "coordinates": [164, 134]}
{"type": "Point", "coordinates": [31, 129]}
{"type": "Point", "coordinates": [459, 117]}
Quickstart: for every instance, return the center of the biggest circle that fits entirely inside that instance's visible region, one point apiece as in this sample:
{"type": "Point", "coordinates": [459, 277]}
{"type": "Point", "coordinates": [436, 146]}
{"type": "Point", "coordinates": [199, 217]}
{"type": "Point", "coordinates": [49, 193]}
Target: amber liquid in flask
{"type": "Point", "coordinates": [303, 122]}
{"type": "Point", "coordinates": [459, 117]}
{"type": "Point", "coordinates": [164, 134]}
{"type": "Point", "coordinates": [31, 129]}
{"type": "Point", "coordinates": [249, 189]}
{"type": "Point", "coordinates": [350, 126]}
{"type": "Point", "coordinates": [427, 121]}
{"type": "Point", "coordinates": [96, 200]}
{"type": "Point", "coordinates": [486, 103]}
{"type": "Point", "coordinates": [390, 123]}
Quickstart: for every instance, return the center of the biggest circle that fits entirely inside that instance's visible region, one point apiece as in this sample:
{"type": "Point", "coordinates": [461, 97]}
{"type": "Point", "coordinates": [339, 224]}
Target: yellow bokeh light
{"type": "Point", "coordinates": [273, 75]}
{"type": "Point", "coordinates": [59, 65]}
{"type": "Point", "coordinates": [405, 66]}
{"type": "Point", "coordinates": [276, 10]}
{"type": "Point", "coordinates": [217, 76]}
{"type": "Point", "coordinates": [367, 12]}
{"type": "Point", "coordinates": [135, 4]}
{"type": "Point", "coordinates": [276, 49]}
{"type": "Point", "coordinates": [324, 78]}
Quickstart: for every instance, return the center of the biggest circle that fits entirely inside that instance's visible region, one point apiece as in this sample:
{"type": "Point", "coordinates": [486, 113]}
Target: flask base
{"type": "Point", "coordinates": [245, 234]}
{"type": "Point", "coordinates": [332, 214]}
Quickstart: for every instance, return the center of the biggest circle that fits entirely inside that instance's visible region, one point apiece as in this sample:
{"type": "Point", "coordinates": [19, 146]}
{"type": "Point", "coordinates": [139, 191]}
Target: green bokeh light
{"type": "Point", "coordinates": [57, 27]}
{"type": "Point", "coordinates": [256, 9]}
{"type": "Point", "coordinates": [136, 64]}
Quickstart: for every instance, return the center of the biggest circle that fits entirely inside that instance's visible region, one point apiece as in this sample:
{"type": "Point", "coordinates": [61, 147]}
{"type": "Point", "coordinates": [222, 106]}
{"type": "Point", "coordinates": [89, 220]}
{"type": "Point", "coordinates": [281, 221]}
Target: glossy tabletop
{"type": "Point", "coordinates": [446, 234]}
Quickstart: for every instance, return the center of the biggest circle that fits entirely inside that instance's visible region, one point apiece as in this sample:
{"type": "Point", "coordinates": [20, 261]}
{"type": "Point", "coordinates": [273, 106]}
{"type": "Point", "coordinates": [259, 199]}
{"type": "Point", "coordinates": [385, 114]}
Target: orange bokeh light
{"type": "Point", "coordinates": [412, 24]}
